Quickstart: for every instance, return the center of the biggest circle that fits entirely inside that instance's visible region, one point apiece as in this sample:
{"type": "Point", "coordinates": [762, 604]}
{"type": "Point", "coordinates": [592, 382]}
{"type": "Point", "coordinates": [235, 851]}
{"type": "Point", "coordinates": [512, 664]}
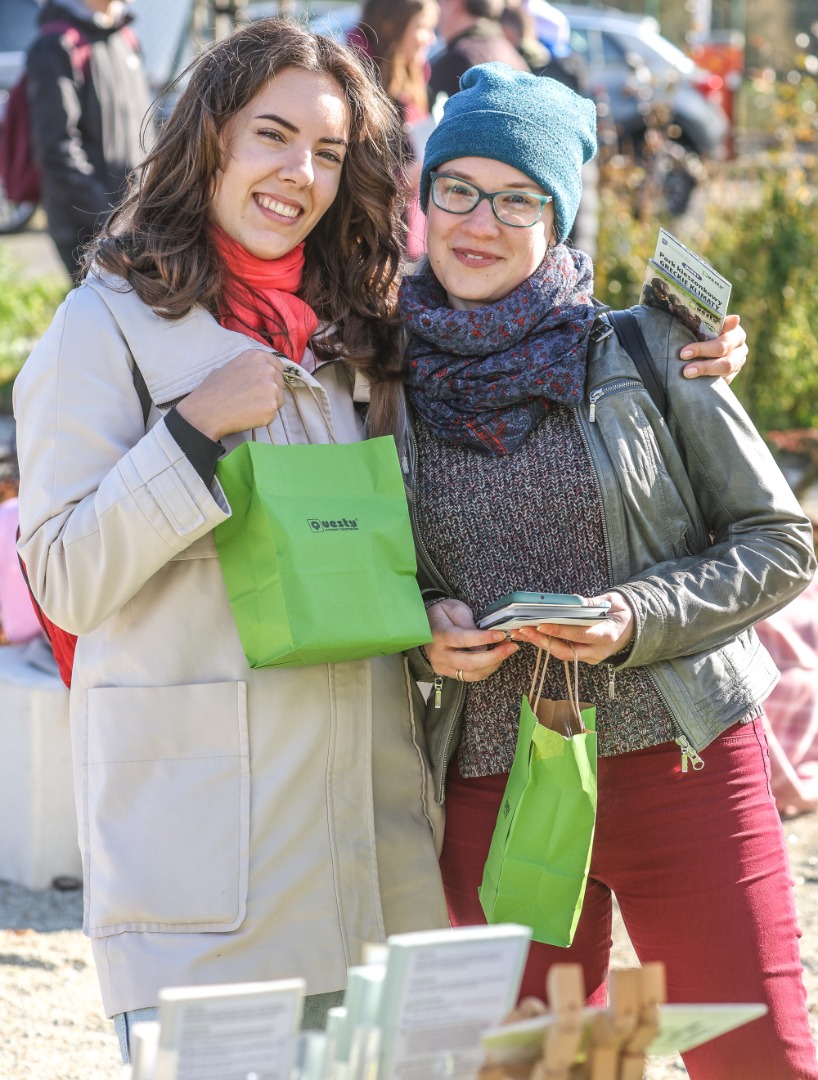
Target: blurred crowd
{"type": "Point", "coordinates": [528, 35]}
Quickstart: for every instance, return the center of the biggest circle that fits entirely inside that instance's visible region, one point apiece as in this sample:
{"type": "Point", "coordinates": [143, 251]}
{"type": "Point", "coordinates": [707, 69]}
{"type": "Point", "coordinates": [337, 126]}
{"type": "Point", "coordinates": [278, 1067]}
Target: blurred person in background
{"type": "Point", "coordinates": [88, 97]}
{"type": "Point", "coordinates": [473, 35]}
{"type": "Point", "coordinates": [397, 35]}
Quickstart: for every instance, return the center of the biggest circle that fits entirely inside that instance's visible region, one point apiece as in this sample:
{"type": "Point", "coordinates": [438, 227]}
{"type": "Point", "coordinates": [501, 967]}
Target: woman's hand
{"type": "Point", "coordinates": [590, 644]}
{"type": "Point", "coordinates": [245, 393]}
{"type": "Point", "coordinates": [459, 646]}
{"type": "Point", "coordinates": [729, 351]}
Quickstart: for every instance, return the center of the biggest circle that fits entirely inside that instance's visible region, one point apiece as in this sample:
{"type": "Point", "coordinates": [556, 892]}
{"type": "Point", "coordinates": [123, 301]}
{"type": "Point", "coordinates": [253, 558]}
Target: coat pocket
{"type": "Point", "coordinates": [167, 809]}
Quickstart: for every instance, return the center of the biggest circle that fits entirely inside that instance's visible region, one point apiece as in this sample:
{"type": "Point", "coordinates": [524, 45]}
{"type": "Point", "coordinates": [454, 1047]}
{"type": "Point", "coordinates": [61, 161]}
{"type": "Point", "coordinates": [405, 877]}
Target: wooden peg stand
{"type": "Point", "coordinates": [615, 1044]}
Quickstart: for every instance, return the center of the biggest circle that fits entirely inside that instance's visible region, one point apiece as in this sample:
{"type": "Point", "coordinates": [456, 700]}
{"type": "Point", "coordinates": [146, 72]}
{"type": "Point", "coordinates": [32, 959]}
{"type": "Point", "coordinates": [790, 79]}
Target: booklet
{"type": "Point", "coordinates": [212, 1032]}
{"type": "Point", "coordinates": [442, 988]}
{"type": "Point", "coordinates": [681, 282]}
{"type": "Point", "coordinates": [681, 1028]}
{"type": "Point", "coordinates": [530, 608]}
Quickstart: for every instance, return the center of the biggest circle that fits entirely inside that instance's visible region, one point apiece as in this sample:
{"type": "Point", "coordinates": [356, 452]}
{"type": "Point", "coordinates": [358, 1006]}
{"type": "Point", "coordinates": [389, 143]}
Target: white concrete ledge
{"type": "Point", "coordinates": [38, 824]}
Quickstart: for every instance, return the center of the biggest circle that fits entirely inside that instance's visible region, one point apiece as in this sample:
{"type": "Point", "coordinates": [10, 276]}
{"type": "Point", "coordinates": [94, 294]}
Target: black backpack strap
{"type": "Point", "coordinates": [144, 394]}
{"type": "Point", "coordinates": [632, 340]}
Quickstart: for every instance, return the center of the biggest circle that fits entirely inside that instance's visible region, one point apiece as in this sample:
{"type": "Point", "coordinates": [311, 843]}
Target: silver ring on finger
{"type": "Point", "coordinates": [459, 675]}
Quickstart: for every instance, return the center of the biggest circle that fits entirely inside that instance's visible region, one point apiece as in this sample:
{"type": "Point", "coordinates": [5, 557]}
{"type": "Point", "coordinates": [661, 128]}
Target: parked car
{"type": "Point", "coordinates": [618, 48]}
{"type": "Point", "coordinates": [620, 51]}
{"type": "Point", "coordinates": [18, 26]}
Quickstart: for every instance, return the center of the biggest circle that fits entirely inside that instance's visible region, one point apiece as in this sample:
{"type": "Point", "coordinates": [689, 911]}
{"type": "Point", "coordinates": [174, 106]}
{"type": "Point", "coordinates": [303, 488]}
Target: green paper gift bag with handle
{"type": "Point", "coordinates": [537, 867]}
{"type": "Point", "coordinates": [318, 557]}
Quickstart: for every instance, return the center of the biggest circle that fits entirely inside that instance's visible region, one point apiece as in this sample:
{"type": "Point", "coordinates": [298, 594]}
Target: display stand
{"type": "Point", "coordinates": [576, 1042]}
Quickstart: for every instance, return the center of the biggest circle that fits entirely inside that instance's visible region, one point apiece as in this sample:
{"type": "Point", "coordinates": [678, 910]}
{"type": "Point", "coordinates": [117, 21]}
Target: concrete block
{"type": "Point", "coordinates": [38, 823]}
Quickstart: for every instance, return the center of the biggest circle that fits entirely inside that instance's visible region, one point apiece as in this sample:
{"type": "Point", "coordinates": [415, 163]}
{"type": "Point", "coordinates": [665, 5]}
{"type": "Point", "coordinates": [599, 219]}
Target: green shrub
{"type": "Point", "coordinates": [27, 306]}
{"type": "Point", "coordinates": [761, 232]}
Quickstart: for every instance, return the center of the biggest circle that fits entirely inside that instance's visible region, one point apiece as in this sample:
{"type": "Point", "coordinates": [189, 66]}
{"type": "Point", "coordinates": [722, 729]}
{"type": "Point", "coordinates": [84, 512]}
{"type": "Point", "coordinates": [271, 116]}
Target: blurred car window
{"type": "Point", "coordinates": [614, 44]}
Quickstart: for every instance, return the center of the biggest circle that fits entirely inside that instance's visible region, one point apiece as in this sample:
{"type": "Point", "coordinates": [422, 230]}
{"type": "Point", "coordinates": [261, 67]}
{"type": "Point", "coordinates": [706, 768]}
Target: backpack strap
{"type": "Point", "coordinates": [78, 45]}
{"type": "Point", "coordinates": [143, 392]}
{"type": "Point", "coordinates": [627, 329]}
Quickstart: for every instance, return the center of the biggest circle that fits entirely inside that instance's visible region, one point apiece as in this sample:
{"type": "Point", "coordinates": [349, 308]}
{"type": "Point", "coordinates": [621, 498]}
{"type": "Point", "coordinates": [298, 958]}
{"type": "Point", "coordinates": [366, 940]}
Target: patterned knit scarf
{"type": "Point", "coordinates": [483, 378]}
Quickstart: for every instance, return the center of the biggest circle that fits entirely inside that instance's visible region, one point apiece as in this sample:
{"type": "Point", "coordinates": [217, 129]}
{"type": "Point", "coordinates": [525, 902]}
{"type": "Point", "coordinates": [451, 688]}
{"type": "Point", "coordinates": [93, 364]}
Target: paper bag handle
{"type": "Point", "coordinates": [573, 686]}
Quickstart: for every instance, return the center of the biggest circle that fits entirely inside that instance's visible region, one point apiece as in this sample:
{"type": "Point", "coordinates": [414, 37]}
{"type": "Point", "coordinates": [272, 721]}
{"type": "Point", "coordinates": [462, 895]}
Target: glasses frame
{"type": "Point", "coordinates": [543, 200]}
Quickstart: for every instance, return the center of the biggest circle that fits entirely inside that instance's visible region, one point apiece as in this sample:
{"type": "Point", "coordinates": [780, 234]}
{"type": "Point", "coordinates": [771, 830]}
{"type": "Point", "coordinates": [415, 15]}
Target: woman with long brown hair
{"type": "Point", "coordinates": [235, 824]}
{"type": "Point", "coordinates": [397, 35]}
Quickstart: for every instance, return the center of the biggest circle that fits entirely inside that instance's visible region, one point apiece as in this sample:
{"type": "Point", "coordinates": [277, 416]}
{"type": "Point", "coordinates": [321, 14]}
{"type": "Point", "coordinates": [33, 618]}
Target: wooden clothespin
{"type": "Point", "coordinates": [612, 1028]}
{"type": "Point", "coordinates": [652, 994]}
{"type": "Point", "coordinates": [566, 998]}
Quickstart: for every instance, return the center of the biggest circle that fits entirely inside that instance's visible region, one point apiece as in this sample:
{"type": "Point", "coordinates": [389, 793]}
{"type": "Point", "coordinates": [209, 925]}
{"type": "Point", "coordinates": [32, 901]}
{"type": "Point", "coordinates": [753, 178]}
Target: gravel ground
{"type": "Point", "coordinates": [51, 1021]}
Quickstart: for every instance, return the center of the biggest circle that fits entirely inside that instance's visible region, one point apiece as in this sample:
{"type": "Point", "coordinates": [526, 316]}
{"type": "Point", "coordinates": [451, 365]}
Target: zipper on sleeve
{"type": "Point", "coordinates": [609, 388]}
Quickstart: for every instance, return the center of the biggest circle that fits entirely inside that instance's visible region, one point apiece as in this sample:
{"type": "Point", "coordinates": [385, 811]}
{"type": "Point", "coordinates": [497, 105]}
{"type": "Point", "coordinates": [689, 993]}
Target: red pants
{"type": "Point", "coordinates": [699, 867]}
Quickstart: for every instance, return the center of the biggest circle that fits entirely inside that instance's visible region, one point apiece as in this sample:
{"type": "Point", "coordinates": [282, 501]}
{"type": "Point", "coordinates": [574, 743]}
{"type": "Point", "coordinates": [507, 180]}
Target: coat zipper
{"type": "Point", "coordinates": [609, 388]}
{"type": "Point", "coordinates": [605, 538]}
{"type": "Point", "coordinates": [689, 755]}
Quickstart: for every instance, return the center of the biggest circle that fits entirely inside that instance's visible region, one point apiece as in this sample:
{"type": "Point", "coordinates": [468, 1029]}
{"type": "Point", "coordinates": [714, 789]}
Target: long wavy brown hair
{"type": "Point", "coordinates": [383, 24]}
{"type": "Point", "coordinates": [158, 238]}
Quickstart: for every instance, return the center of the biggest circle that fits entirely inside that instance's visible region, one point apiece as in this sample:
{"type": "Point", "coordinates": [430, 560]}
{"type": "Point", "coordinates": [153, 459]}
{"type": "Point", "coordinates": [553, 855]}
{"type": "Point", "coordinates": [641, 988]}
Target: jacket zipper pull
{"type": "Point", "coordinates": [611, 683]}
{"type": "Point", "coordinates": [593, 399]}
{"type": "Point", "coordinates": [689, 756]}
{"type": "Point", "coordinates": [438, 684]}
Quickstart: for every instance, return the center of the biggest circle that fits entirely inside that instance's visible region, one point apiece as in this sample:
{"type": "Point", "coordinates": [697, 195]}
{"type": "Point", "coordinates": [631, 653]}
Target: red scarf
{"type": "Point", "coordinates": [258, 296]}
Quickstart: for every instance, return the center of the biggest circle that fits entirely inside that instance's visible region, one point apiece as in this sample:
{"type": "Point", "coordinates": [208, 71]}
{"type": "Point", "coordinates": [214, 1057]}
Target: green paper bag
{"type": "Point", "coordinates": [318, 557]}
{"type": "Point", "coordinates": [537, 866]}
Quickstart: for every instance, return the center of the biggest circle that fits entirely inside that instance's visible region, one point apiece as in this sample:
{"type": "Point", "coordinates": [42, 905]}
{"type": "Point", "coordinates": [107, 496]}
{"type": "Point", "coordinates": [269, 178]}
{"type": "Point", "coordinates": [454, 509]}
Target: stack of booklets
{"type": "Point", "coordinates": [416, 1010]}
{"type": "Point", "coordinates": [221, 1033]}
{"type": "Point", "coordinates": [681, 282]}
{"type": "Point", "coordinates": [429, 1004]}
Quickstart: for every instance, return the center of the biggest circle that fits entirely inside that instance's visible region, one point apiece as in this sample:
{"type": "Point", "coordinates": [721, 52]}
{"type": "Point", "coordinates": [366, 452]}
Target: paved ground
{"type": "Point", "coordinates": [32, 249]}
{"type": "Point", "coordinates": [52, 1025]}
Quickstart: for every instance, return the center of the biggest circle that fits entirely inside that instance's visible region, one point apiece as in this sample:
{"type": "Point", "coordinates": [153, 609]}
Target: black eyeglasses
{"type": "Point", "coordinates": [522, 209]}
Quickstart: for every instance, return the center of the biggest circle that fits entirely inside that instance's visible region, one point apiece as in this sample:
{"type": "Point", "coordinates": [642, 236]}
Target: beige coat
{"type": "Point", "coordinates": [235, 824]}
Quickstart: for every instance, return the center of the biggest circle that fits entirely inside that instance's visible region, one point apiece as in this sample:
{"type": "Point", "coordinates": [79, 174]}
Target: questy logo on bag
{"type": "Point", "coordinates": [340, 525]}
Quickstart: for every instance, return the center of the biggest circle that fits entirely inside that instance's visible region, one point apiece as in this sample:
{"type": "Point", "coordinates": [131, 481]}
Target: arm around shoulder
{"type": "Point", "coordinates": [752, 551]}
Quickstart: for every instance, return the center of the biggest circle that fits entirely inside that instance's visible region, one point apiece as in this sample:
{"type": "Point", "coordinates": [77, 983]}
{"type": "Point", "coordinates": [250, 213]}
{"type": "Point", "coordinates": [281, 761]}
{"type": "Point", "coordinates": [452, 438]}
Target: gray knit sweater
{"type": "Point", "coordinates": [530, 520]}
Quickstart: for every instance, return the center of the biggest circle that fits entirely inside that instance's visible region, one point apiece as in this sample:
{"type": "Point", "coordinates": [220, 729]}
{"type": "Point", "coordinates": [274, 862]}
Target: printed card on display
{"type": "Point", "coordinates": [210, 1032]}
{"type": "Point", "coordinates": [681, 1028]}
{"type": "Point", "coordinates": [681, 282]}
{"type": "Point", "coordinates": [441, 990]}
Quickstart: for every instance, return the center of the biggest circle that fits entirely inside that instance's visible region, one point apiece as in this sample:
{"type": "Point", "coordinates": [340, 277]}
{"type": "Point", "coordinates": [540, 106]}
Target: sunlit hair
{"type": "Point", "coordinates": [383, 24]}
{"type": "Point", "coordinates": [158, 238]}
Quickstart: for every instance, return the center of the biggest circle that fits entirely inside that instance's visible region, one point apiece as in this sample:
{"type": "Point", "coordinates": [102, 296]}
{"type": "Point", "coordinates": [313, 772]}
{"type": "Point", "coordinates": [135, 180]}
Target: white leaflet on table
{"type": "Point", "coordinates": [144, 1049]}
{"type": "Point", "coordinates": [681, 1028]}
{"type": "Point", "coordinates": [442, 988]}
{"type": "Point", "coordinates": [209, 1032]}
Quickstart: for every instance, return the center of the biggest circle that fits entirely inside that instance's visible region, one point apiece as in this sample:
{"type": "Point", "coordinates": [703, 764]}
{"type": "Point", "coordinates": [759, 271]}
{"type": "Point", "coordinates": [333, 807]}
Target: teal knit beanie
{"type": "Point", "coordinates": [530, 122]}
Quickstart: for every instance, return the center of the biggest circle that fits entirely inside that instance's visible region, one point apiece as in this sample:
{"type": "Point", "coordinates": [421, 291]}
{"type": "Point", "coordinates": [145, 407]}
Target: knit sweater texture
{"type": "Point", "coordinates": [530, 520]}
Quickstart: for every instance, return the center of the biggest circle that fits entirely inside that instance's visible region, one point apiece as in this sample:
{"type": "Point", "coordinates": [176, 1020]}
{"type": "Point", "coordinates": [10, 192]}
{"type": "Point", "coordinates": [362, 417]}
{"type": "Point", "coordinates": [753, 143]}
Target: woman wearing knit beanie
{"type": "Point", "coordinates": [538, 461]}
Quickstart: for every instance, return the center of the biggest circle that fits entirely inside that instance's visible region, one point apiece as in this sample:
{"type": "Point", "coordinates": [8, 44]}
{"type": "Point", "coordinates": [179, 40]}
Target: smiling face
{"type": "Point", "coordinates": [476, 258]}
{"type": "Point", "coordinates": [282, 159]}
